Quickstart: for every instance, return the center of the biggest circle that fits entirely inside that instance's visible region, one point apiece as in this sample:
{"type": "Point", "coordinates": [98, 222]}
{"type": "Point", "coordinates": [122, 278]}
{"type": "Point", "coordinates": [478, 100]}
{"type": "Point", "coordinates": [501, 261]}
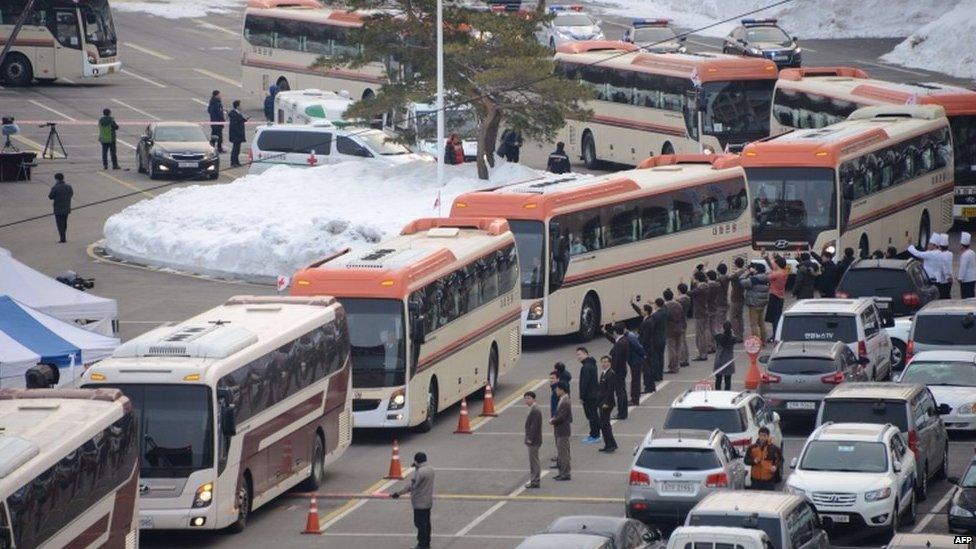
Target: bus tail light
{"type": "Point", "coordinates": [397, 400]}
{"type": "Point", "coordinates": [637, 478]}
{"type": "Point", "coordinates": [718, 480]}
{"type": "Point", "coordinates": [204, 495]}
{"type": "Point", "coordinates": [911, 299]}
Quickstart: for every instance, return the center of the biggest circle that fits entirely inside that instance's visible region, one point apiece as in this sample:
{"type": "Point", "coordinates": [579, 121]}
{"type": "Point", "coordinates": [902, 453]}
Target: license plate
{"type": "Point", "coordinates": [188, 164]}
{"type": "Point", "coordinates": [836, 518]}
{"type": "Point", "coordinates": [145, 523]}
{"type": "Point", "coordinates": [801, 405]}
{"type": "Point", "coordinates": [969, 211]}
{"type": "Point", "coordinates": [780, 57]}
{"type": "Point", "coordinates": [681, 487]}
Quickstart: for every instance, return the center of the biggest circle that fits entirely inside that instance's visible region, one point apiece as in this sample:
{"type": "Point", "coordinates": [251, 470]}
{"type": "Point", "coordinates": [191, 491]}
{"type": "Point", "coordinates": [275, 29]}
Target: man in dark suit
{"type": "Point", "coordinates": [589, 393]}
{"type": "Point", "coordinates": [61, 194]}
{"type": "Point", "coordinates": [606, 400]}
{"type": "Point", "coordinates": [645, 335]}
{"type": "Point", "coordinates": [618, 358]}
{"type": "Point", "coordinates": [659, 320]}
{"type": "Point", "coordinates": [533, 438]}
{"type": "Point", "coordinates": [562, 428]}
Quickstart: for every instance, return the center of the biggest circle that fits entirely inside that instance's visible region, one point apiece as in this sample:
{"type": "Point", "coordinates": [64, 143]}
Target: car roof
{"type": "Point", "coordinates": [667, 438]}
{"type": "Point", "coordinates": [808, 349]}
{"type": "Point", "coordinates": [563, 541]}
{"type": "Point", "coordinates": [948, 306]}
{"type": "Point", "coordinates": [722, 532]}
{"type": "Point", "coordinates": [875, 390]}
{"type": "Point", "coordinates": [711, 399]}
{"type": "Point", "coordinates": [890, 264]}
{"type": "Point", "coordinates": [175, 124]}
{"type": "Point", "coordinates": [746, 502]}
{"type": "Point", "coordinates": [596, 523]}
{"type": "Point", "coordinates": [323, 127]}
{"type": "Point", "coordinates": [829, 305]}
{"type": "Point", "coordinates": [957, 356]}
{"type": "Point", "coordinates": [868, 432]}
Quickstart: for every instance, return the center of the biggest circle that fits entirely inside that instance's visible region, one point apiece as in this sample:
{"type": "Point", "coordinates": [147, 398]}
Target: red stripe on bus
{"type": "Point", "coordinates": [90, 534]}
{"type": "Point", "coordinates": [634, 125]}
{"type": "Point", "coordinates": [29, 42]}
{"type": "Point", "coordinates": [125, 504]}
{"type": "Point", "coordinates": [863, 220]}
{"type": "Point", "coordinates": [302, 69]}
{"type": "Point", "coordinates": [460, 343]}
{"type": "Point", "coordinates": [653, 261]}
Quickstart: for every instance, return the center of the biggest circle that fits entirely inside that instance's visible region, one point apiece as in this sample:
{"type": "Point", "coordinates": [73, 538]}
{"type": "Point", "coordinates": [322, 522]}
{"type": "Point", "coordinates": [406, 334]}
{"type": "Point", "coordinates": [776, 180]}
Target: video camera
{"type": "Point", "coordinates": [72, 279]}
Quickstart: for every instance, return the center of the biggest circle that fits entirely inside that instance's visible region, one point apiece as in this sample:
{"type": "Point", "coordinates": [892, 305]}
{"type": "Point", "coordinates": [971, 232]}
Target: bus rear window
{"type": "Point", "coordinates": [840, 410]}
{"type": "Point", "coordinates": [819, 328]}
{"type": "Point", "coordinates": [945, 329]}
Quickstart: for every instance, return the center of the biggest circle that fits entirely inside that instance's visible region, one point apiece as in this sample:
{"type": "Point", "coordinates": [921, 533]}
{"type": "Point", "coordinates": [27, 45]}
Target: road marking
{"type": "Point", "coordinates": [143, 78]}
{"type": "Point", "coordinates": [379, 486]}
{"type": "Point", "coordinates": [207, 25]}
{"type": "Point", "coordinates": [57, 112]}
{"type": "Point", "coordinates": [125, 184]}
{"type": "Point", "coordinates": [704, 45]}
{"type": "Point", "coordinates": [147, 51]}
{"type": "Point", "coordinates": [126, 143]}
{"type": "Point", "coordinates": [892, 67]}
{"type": "Point", "coordinates": [140, 111]}
{"type": "Point", "coordinates": [201, 101]}
{"type": "Point", "coordinates": [513, 433]}
{"type": "Point", "coordinates": [219, 77]}
{"type": "Point", "coordinates": [413, 534]}
{"type": "Point", "coordinates": [481, 518]}
{"type": "Point", "coordinates": [38, 148]}
{"type": "Point", "coordinates": [935, 511]}
{"type": "Point", "coordinates": [486, 470]}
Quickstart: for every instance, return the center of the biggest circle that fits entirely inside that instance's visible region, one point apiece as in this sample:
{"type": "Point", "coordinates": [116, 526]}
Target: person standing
{"type": "Point", "coordinates": [562, 427]}
{"type": "Point", "coordinates": [721, 303]}
{"type": "Point", "coordinates": [421, 490]}
{"type": "Point", "coordinates": [676, 330]}
{"type": "Point", "coordinates": [931, 260]}
{"type": "Point", "coordinates": [737, 298]}
{"type": "Point", "coordinates": [607, 390]}
{"type": "Point", "coordinates": [777, 291]}
{"type": "Point", "coordinates": [765, 459]}
{"type": "Point", "coordinates": [558, 160]}
{"type": "Point", "coordinates": [589, 393]}
{"type": "Point", "coordinates": [533, 438]}
{"type": "Point", "coordinates": [107, 129]}
{"type": "Point", "coordinates": [553, 399]}
{"type": "Point", "coordinates": [236, 132]}
{"type": "Point", "coordinates": [845, 263]}
{"type": "Point", "coordinates": [618, 357]}
{"type": "Point", "coordinates": [658, 344]}
{"type": "Point", "coordinates": [699, 304]}
{"type": "Point", "coordinates": [215, 109]}
{"type": "Point", "coordinates": [512, 145]}
{"type": "Point", "coordinates": [967, 268]}
{"type": "Point", "coordinates": [807, 273]}
{"type": "Point", "coordinates": [684, 300]}
{"type": "Point", "coordinates": [755, 285]}
{"type": "Point", "coordinates": [827, 281]}
{"type": "Point", "coordinates": [945, 266]}
{"type": "Point", "coordinates": [712, 297]}
{"type": "Point", "coordinates": [269, 103]}
{"type": "Point", "coordinates": [61, 194]}
{"type": "Point", "coordinates": [724, 365]}
{"type": "Point", "coordinates": [645, 336]}
{"type": "Point", "coordinates": [454, 150]}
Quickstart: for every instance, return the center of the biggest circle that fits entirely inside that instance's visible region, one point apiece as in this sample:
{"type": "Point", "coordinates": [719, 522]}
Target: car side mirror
{"type": "Point", "coordinates": [764, 359]}
{"type": "Point", "coordinates": [896, 466]}
{"type": "Point", "coordinates": [793, 463]}
{"type": "Point", "coordinates": [228, 420]}
{"type": "Point", "coordinates": [944, 409]}
{"type": "Point", "coordinates": [953, 480]}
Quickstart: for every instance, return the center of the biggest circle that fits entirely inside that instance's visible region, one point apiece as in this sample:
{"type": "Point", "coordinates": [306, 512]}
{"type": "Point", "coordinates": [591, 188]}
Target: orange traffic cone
{"type": "Point", "coordinates": [488, 406]}
{"type": "Point", "coordinates": [396, 471]}
{"type": "Point", "coordinates": [464, 426]}
{"type": "Point", "coordinates": [312, 522]}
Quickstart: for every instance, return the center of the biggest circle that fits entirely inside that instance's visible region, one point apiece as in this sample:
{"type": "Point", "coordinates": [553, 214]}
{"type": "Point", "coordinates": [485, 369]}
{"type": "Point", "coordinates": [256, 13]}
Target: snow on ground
{"type": "Point", "coordinates": [803, 18]}
{"type": "Point", "coordinates": [260, 226]}
{"type": "Point", "coordinates": [176, 9]}
{"type": "Point", "coordinates": [944, 45]}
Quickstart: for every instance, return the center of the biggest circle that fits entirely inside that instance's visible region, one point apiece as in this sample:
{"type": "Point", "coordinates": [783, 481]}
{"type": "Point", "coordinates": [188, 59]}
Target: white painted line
{"type": "Point", "coordinates": [704, 45]}
{"type": "Point", "coordinates": [383, 487]}
{"type": "Point", "coordinates": [219, 77]}
{"type": "Point", "coordinates": [521, 434]}
{"type": "Point", "coordinates": [207, 25]}
{"type": "Point", "coordinates": [484, 470]}
{"type": "Point", "coordinates": [147, 51]}
{"type": "Point", "coordinates": [931, 514]}
{"type": "Point", "coordinates": [140, 111]}
{"type": "Point", "coordinates": [642, 400]}
{"type": "Point", "coordinates": [811, 50]}
{"type": "Point", "coordinates": [414, 534]}
{"type": "Point", "coordinates": [49, 109]}
{"type": "Point", "coordinates": [126, 143]}
{"type": "Point", "coordinates": [891, 67]}
{"type": "Point", "coordinates": [143, 78]}
{"type": "Point", "coordinates": [481, 518]}
{"type": "Point", "coordinates": [201, 101]}
{"type": "Point", "coordinates": [507, 405]}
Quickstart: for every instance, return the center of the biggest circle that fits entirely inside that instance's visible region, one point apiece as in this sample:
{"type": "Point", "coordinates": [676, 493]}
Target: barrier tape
{"type": "Point", "coordinates": [464, 497]}
{"type": "Point", "coordinates": [129, 122]}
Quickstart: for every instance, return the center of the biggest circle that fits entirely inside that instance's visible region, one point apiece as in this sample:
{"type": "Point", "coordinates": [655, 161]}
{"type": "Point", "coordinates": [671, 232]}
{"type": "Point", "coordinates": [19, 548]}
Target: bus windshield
{"type": "Point", "coordinates": [964, 148]}
{"type": "Point", "coordinates": [459, 121]}
{"type": "Point", "coordinates": [736, 112]}
{"type": "Point", "coordinates": [792, 204]}
{"type": "Point", "coordinates": [376, 337]}
{"type": "Point", "coordinates": [530, 241]}
{"type": "Point", "coordinates": [99, 27]}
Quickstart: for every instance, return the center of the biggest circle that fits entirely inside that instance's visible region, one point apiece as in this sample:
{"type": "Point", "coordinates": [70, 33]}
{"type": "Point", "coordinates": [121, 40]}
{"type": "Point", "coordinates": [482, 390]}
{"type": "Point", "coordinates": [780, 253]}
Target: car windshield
{"type": "Point", "coordinates": [530, 242]}
{"type": "Point", "coordinates": [769, 525]}
{"type": "Point", "coordinates": [969, 479]}
{"type": "Point", "coordinates": [768, 34]}
{"type": "Point", "coordinates": [843, 410]}
{"type": "Point", "coordinates": [802, 366]}
{"type": "Point", "coordinates": [845, 456]}
{"type": "Point", "coordinates": [729, 420]}
{"type": "Point", "coordinates": [376, 337]}
{"type": "Point", "coordinates": [678, 459]}
{"type": "Point", "coordinates": [650, 36]}
{"type": "Point", "coordinates": [573, 20]}
{"type": "Point", "coordinates": [383, 144]}
{"type": "Point", "coordinates": [818, 328]}
{"type": "Point", "coordinates": [962, 374]}
{"type": "Point", "coordinates": [461, 121]}
{"type": "Point", "coordinates": [939, 329]}
{"type": "Point", "coordinates": [791, 204]}
{"type": "Point", "coordinates": [176, 427]}
{"type": "Point", "coordinates": [735, 112]}
{"type": "Point", "coordinates": [180, 134]}
{"type": "Point", "coordinates": [964, 148]}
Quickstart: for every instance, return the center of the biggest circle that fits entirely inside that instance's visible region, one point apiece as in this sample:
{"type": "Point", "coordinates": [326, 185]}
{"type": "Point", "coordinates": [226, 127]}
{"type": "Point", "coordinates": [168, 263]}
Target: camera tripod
{"type": "Point", "coordinates": [53, 141]}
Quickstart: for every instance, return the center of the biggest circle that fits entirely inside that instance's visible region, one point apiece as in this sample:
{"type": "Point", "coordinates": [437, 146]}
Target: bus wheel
{"type": "Point", "coordinates": [317, 476]}
{"type": "Point", "coordinates": [589, 152]}
{"type": "Point", "coordinates": [924, 231]}
{"type": "Point", "coordinates": [243, 506]}
{"type": "Point", "coordinates": [16, 70]}
{"type": "Point", "coordinates": [589, 318]}
{"type": "Point", "coordinates": [493, 367]}
{"type": "Point", "coordinates": [668, 148]}
{"type": "Point", "coordinates": [864, 246]}
{"type": "Point", "coordinates": [282, 84]}
{"type": "Point", "coordinates": [428, 422]}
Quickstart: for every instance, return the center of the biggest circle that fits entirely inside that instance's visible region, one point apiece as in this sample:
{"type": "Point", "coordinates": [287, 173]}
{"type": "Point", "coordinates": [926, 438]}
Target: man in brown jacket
{"type": "Point", "coordinates": [700, 298]}
{"type": "Point", "coordinates": [562, 426]}
{"type": "Point", "coordinates": [533, 438]}
{"type": "Point", "coordinates": [676, 330]}
{"type": "Point", "coordinates": [684, 300]}
{"type": "Point", "coordinates": [737, 298]}
{"type": "Point", "coordinates": [714, 289]}
{"type": "Point", "coordinates": [721, 298]}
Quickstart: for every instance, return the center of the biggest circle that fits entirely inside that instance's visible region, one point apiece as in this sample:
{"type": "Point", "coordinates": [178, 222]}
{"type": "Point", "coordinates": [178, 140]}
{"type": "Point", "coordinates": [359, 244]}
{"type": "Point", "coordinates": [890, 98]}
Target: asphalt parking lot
{"type": "Point", "coordinates": [171, 66]}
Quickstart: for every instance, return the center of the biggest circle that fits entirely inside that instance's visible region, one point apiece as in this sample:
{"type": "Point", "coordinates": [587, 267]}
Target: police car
{"type": "Point", "coordinates": [569, 24]}
{"type": "Point", "coordinates": [764, 38]}
{"type": "Point", "coordinates": [654, 35]}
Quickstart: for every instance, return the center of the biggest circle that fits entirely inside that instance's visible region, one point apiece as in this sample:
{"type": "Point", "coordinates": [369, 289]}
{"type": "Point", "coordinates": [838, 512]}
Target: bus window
{"type": "Point", "coordinates": [259, 31]}
{"type": "Point", "coordinates": [623, 227]}
{"type": "Point", "coordinates": [737, 110]}
{"type": "Point", "coordinates": [654, 216]}
{"type": "Point", "coordinates": [964, 147]}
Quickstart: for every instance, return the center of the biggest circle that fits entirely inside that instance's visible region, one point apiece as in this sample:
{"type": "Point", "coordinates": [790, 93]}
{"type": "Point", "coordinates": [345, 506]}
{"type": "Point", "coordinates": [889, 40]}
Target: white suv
{"type": "Point", "coordinates": [859, 476]}
{"type": "Point", "coordinates": [738, 414]}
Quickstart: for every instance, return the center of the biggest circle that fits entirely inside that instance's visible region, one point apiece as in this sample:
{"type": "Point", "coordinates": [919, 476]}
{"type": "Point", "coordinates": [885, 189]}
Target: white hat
{"type": "Point", "coordinates": [943, 239]}
{"type": "Point", "coordinates": [935, 239]}
{"type": "Point", "coordinates": [964, 238]}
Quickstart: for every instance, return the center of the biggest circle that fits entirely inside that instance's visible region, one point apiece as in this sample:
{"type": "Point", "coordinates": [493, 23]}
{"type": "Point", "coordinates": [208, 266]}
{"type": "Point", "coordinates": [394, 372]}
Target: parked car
{"type": "Point", "coordinates": [951, 377]}
{"type": "Point", "coordinates": [790, 521]}
{"type": "Point", "coordinates": [623, 532]}
{"type": "Point", "coordinates": [909, 407]}
{"type": "Point", "coordinates": [962, 507]}
{"type": "Point", "coordinates": [942, 325]}
{"type": "Point", "coordinates": [177, 149]}
{"type": "Point", "coordinates": [764, 38]}
{"type": "Point", "coordinates": [569, 24]}
{"type": "Point", "coordinates": [799, 374]}
{"type": "Point", "coordinates": [738, 414]}
{"type": "Point", "coordinates": [566, 541]}
{"type": "Point", "coordinates": [672, 470]}
{"type": "Point", "coordinates": [718, 537]}
{"type": "Point", "coordinates": [902, 280]}
{"type": "Point", "coordinates": [856, 322]}
{"type": "Point", "coordinates": [860, 476]}
{"type": "Point", "coordinates": [926, 541]}
{"type": "Point", "coordinates": [654, 35]}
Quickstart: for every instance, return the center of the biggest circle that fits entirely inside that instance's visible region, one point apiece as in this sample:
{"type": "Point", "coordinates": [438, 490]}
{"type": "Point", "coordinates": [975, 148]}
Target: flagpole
{"type": "Point", "coordinates": [439, 151]}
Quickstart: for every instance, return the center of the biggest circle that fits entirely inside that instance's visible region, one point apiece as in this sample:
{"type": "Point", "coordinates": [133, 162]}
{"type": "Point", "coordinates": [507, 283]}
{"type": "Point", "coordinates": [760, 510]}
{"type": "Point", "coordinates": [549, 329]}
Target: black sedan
{"type": "Point", "coordinates": [176, 149]}
{"type": "Point", "coordinates": [962, 508]}
{"type": "Point", "coordinates": [764, 38]}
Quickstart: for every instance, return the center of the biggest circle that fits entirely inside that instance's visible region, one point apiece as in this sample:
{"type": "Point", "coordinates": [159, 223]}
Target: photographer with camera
{"type": "Point", "coordinates": [61, 194]}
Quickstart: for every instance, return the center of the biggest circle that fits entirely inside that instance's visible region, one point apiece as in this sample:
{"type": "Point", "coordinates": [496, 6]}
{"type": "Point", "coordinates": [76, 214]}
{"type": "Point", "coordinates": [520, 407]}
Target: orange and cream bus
{"type": "Point", "coordinates": [70, 464]}
{"type": "Point", "coordinates": [648, 104]}
{"type": "Point", "coordinates": [820, 96]}
{"type": "Point", "coordinates": [235, 406]}
{"type": "Point", "coordinates": [875, 180]}
{"type": "Point", "coordinates": [433, 316]}
{"type": "Point", "coordinates": [588, 247]}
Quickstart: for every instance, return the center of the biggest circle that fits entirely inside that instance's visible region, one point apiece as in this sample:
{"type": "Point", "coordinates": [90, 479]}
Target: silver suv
{"type": "Point", "coordinates": [674, 469]}
{"type": "Point", "coordinates": [799, 374]}
{"type": "Point", "coordinates": [944, 325]}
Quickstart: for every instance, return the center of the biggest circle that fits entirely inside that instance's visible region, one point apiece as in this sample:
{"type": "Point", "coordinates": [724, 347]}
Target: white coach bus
{"type": "Point", "coordinates": [68, 469]}
{"type": "Point", "coordinates": [236, 406]}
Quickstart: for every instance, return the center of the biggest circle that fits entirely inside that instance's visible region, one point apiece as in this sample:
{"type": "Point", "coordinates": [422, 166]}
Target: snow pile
{"type": "Point", "coordinates": [944, 45]}
{"type": "Point", "coordinates": [804, 18]}
{"type": "Point", "coordinates": [176, 9]}
{"type": "Point", "coordinates": [260, 226]}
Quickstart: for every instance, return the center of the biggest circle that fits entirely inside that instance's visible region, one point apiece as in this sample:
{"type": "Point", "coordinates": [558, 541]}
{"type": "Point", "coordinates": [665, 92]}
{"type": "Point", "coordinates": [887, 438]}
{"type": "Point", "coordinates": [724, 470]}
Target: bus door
{"type": "Point", "coordinates": [66, 29]}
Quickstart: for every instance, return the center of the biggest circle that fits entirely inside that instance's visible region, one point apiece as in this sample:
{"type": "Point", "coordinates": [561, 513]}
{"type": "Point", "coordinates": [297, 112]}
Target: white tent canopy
{"type": "Point", "coordinates": [42, 293]}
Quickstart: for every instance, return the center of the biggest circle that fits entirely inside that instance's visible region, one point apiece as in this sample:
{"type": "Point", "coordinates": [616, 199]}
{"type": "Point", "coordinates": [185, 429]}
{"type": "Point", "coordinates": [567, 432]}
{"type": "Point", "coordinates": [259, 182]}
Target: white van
{"type": "Point", "coordinates": [309, 145]}
{"type": "Point", "coordinates": [310, 106]}
{"type": "Point", "coordinates": [717, 537]}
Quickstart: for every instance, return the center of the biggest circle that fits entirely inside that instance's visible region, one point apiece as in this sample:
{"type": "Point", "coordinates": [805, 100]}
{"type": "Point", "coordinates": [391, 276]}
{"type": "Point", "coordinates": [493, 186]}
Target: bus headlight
{"type": "Point", "coordinates": [204, 495]}
{"type": "Point", "coordinates": [397, 400]}
{"type": "Point", "coordinates": [536, 310]}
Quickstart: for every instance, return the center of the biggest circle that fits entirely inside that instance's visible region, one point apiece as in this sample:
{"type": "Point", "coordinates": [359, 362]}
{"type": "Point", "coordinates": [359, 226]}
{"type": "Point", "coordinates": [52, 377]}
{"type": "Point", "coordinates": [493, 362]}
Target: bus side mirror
{"type": "Point", "coordinates": [228, 420]}
{"type": "Point", "coordinates": [417, 333]}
